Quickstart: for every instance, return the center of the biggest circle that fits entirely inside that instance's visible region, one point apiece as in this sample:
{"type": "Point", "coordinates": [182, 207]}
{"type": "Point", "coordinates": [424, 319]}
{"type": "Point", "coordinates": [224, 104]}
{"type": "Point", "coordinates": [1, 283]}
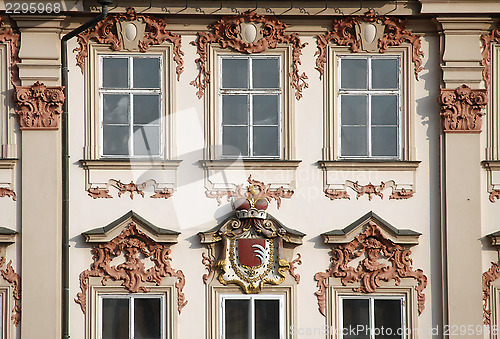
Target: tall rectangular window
{"type": "Point", "coordinates": [250, 101]}
{"type": "Point", "coordinates": [132, 317]}
{"type": "Point", "coordinates": [369, 102]}
{"type": "Point", "coordinates": [252, 317]}
{"type": "Point", "coordinates": [377, 317]}
{"type": "Point", "coordinates": [130, 101]}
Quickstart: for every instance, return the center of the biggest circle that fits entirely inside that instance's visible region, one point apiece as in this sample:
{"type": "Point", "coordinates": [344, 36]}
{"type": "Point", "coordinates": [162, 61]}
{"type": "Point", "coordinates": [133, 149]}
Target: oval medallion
{"type": "Point", "coordinates": [369, 32]}
{"type": "Point", "coordinates": [130, 31]}
{"type": "Point", "coordinates": [249, 33]}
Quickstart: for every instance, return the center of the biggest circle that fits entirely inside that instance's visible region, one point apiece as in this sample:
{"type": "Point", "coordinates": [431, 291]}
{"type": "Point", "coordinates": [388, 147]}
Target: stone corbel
{"type": "Point", "coordinates": [462, 109]}
{"type": "Point", "coordinates": [39, 106]}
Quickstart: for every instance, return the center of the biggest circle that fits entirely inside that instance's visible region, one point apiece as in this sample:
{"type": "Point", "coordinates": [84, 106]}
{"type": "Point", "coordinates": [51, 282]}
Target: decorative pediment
{"type": "Point", "coordinates": [249, 33]}
{"type": "Point", "coordinates": [130, 239]}
{"type": "Point", "coordinates": [251, 252]}
{"type": "Point", "coordinates": [132, 32]}
{"type": "Point", "coordinates": [370, 33]}
{"type": "Point", "coordinates": [375, 242]}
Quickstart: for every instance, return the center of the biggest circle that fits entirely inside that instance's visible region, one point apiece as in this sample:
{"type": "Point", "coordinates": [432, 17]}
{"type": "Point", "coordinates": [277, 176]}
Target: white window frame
{"type": "Point", "coordinates": [131, 92]}
{"type": "Point", "coordinates": [250, 92]}
{"type": "Point", "coordinates": [371, 311]}
{"type": "Point", "coordinates": [369, 92]}
{"type": "Point", "coordinates": [131, 298]}
{"type": "Point", "coordinates": [252, 299]}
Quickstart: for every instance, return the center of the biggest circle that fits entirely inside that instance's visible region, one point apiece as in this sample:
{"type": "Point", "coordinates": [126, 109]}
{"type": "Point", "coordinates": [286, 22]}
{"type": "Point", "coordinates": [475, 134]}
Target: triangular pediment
{"type": "Point", "coordinates": [347, 234]}
{"type": "Point", "coordinates": [115, 228]}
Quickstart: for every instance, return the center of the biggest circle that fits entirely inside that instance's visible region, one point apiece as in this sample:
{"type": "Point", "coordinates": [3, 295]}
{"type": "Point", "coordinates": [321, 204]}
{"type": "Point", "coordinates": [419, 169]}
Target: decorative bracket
{"type": "Point", "coordinates": [39, 106]}
{"type": "Point", "coordinates": [362, 33]}
{"type": "Point", "coordinates": [461, 109]}
{"type": "Point", "coordinates": [375, 238]}
{"type": "Point", "coordinates": [130, 31]}
{"type": "Point", "coordinates": [249, 33]}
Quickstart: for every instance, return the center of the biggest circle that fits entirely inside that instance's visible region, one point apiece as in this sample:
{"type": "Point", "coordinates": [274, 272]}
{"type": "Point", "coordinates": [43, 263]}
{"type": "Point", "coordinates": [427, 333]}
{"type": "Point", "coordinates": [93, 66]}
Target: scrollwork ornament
{"type": "Point", "coordinates": [227, 33]}
{"type": "Point", "coordinates": [105, 32]}
{"type": "Point", "coordinates": [7, 34]}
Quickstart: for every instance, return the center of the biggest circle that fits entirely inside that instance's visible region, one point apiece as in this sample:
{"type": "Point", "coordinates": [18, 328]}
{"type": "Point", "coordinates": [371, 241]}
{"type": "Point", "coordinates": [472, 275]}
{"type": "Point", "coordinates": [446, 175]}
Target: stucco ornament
{"type": "Point", "coordinates": [488, 40]}
{"type": "Point", "coordinates": [14, 279]}
{"type": "Point", "coordinates": [462, 109]}
{"type": "Point", "coordinates": [370, 190]}
{"type": "Point", "coordinates": [130, 189]}
{"type": "Point", "coordinates": [369, 32]}
{"type": "Point", "coordinates": [7, 34]}
{"type": "Point", "coordinates": [130, 31]}
{"type": "Point", "coordinates": [249, 33]}
{"type": "Point", "coordinates": [39, 106]}
{"type": "Point", "coordinates": [131, 244]}
{"type": "Point", "coordinates": [370, 246]}
{"type": "Point", "coordinates": [255, 190]}
{"type": "Point", "coordinates": [491, 275]}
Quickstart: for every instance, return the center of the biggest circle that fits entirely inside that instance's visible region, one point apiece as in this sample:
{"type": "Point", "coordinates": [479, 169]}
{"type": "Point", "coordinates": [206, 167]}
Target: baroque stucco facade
{"type": "Point", "coordinates": [425, 223]}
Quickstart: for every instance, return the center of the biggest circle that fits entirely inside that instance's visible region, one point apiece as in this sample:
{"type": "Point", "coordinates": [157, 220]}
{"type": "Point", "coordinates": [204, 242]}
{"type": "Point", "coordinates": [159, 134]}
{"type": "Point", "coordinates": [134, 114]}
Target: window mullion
{"type": "Point", "coordinates": [131, 317]}
{"type": "Point", "coordinates": [131, 125]}
{"type": "Point", "coordinates": [372, 317]}
{"type": "Point", "coordinates": [252, 318]}
{"type": "Point", "coordinates": [250, 124]}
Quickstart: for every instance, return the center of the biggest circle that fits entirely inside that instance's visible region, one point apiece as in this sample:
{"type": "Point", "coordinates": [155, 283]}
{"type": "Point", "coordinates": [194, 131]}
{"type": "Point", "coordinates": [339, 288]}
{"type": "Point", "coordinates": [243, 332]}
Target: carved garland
{"type": "Point", "coordinates": [39, 106]}
{"type": "Point", "coordinates": [461, 109]}
{"type": "Point", "coordinates": [15, 280]}
{"type": "Point", "coordinates": [370, 190]}
{"type": "Point", "coordinates": [105, 32]}
{"type": "Point", "coordinates": [370, 272]}
{"type": "Point", "coordinates": [132, 243]}
{"type": "Point", "coordinates": [487, 40]}
{"type": "Point", "coordinates": [344, 34]}
{"type": "Point", "coordinates": [131, 188]}
{"type": "Point", "coordinates": [7, 34]}
{"type": "Point", "coordinates": [227, 33]}
{"type": "Point", "coordinates": [255, 189]}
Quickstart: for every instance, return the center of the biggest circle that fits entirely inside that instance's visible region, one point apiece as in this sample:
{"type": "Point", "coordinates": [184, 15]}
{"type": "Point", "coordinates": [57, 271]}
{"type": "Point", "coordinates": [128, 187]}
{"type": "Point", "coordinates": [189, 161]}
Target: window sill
{"type": "Point", "coordinates": [129, 164]}
{"type": "Point", "coordinates": [370, 165]}
{"type": "Point", "coordinates": [250, 164]}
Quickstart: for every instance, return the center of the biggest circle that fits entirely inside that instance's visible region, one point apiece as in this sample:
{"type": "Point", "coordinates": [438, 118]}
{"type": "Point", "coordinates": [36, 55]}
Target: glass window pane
{"type": "Point", "coordinates": [147, 109]}
{"type": "Point", "coordinates": [354, 73]}
{"type": "Point", "coordinates": [267, 319]}
{"type": "Point", "coordinates": [385, 73]}
{"type": "Point", "coordinates": [385, 141]}
{"type": "Point", "coordinates": [388, 317]}
{"type": "Point", "coordinates": [265, 73]}
{"type": "Point", "coordinates": [115, 318]}
{"type": "Point", "coordinates": [234, 73]}
{"type": "Point", "coordinates": [146, 73]}
{"type": "Point", "coordinates": [234, 110]}
{"type": "Point", "coordinates": [115, 108]}
{"type": "Point", "coordinates": [237, 318]}
{"type": "Point", "coordinates": [354, 141]}
{"type": "Point", "coordinates": [265, 109]}
{"type": "Point", "coordinates": [354, 109]}
{"type": "Point", "coordinates": [114, 73]}
{"type": "Point", "coordinates": [385, 110]}
{"type": "Point", "coordinates": [355, 313]}
{"type": "Point", "coordinates": [265, 141]}
{"type": "Point", "coordinates": [235, 141]}
{"type": "Point", "coordinates": [147, 322]}
{"type": "Point", "coordinates": [146, 140]}
{"type": "Point", "coordinates": [115, 140]}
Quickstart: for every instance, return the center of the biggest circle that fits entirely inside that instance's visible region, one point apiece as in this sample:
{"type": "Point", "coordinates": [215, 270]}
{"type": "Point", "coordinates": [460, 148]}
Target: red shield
{"type": "Point", "coordinates": [251, 252]}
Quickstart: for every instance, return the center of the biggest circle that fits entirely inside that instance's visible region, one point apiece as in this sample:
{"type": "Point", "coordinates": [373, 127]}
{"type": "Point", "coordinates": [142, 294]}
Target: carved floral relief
{"type": "Point", "coordinates": [149, 30]}
{"type": "Point", "coordinates": [130, 189]}
{"type": "Point", "coordinates": [255, 189]}
{"type": "Point", "coordinates": [370, 245]}
{"type": "Point", "coordinates": [351, 31]}
{"type": "Point", "coordinates": [7, 34]}
{"type": "Point", "coordinates": [14, 279]}
{"type": "Point", "coordinates": [370, 190]}
{"type": "Point", "coordinates": [249, 33]}
{"type": "Point", "coordinates": [133, 244]}
{"type": "Point", "coordinates": [462, 108]}
{"type": "Point", "coordinates": [39, 106]}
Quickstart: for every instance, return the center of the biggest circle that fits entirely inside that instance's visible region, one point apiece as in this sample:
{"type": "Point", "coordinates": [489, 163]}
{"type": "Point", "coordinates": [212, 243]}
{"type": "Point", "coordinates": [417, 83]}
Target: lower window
{"type": "Point", "coordinates": [132, 317]}
{"type": "Point", "coordinates": [373, 317]}
{"type": "Point", "coordinates": [252, 317]}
